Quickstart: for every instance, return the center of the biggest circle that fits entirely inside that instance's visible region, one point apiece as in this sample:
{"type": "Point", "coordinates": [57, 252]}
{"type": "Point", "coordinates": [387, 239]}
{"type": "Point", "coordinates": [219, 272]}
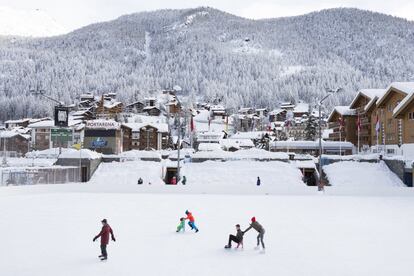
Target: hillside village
{"type": "Point", "coordinates": [377, 122]}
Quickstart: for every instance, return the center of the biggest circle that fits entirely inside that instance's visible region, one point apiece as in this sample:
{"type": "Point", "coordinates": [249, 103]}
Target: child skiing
{"type": "Point", "coordinates": [238, 238]}
{"type": "Point", "coordinates": [104, 234]}
{"type": "Point", "coordinates": [191, 221]}
{"type": "Point", "coordinates": [259, 228]}
{"type": "Point", "coordinates": [181, 226]}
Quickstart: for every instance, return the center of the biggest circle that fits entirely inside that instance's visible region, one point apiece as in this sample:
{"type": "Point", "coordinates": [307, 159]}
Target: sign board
{"type": "Point", "coordinates": [102, 124]}
{"type": "Point", "coordinates": [61, 116]}
{"type": "Point", "coordinates": [61, 134]}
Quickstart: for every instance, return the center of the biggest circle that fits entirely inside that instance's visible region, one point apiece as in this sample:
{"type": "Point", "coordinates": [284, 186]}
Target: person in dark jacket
{"type": "Point", "coordinates": [258, 182]}
{"type": "Point", "coordinates": [238, 238]}
{"type": "Point", "coordinates": [104, 235]}
{"type": "Point", "coordinates": [259, 228]}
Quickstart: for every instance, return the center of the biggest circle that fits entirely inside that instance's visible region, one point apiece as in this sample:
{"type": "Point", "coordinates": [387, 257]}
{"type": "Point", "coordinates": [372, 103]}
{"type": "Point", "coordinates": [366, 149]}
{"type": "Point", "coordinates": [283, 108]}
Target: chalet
{"type": "Point", "coordinates": [16, 123]}
{"type": "Point", "coordinates": [173, 107]}
{"type": "Point", "coordinates": [394, 110]}
{"type": "Point", "coordinates": [83, 115]}
{"type": "Point", "coordinates": [342, 121]}
{"type": "Point", "coordinates": [277, 115]}
{"type": "Point", "coordinates": [152, 110]}
{"type": "Point", "coordinates": [262, 112]}
{"type": "Point", "coordinates": [14, 143]}
{"type": "Point", "coordinates": [135, 107]}
{"type": "Point", "coordinates": [153, 136]}
{"type": "Point", "coordinates": [361, 101]}
{"type": "Point", "coordinates": [149, 136]}
{"type": "Point", "coordinates": [300, 110]}
{"type": "Point", "coordinates": [218, 112]}
{"type": "Point", "coordinates": [150, 101]}
{"type": "Point", "coordinates": [108, 107]}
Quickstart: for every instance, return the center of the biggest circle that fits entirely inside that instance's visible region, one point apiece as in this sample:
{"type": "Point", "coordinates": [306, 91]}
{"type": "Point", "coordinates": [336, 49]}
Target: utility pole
{"type": "Point", "coordinates": [330, 92]}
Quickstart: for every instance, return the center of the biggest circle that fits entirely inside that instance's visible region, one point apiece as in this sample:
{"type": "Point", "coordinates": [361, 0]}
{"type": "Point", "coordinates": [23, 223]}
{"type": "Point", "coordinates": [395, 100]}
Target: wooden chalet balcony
{"type": "Point", "coordinates": [335, 135]}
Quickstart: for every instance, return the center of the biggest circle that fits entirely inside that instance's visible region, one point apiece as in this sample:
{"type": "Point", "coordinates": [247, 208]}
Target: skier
{"type": "Point", "coordinates": [258, 181]}
{"type": "Point", "coordinates": [238, 238]}
{"type": "Point", "coordinates": [191, 221]}
{"type": "Point", "coordinates": [259, 228]}
{"type": "Point", "coordinates": [140, 181]}
{"type": "Point", "coordinates": [104, 234]}
{"type": "Point", "coordinates": [181, 226]}
{"type": "Point", "coordinates": [184, 180]}
{"type": "Point", "coordinates": [173, 180]}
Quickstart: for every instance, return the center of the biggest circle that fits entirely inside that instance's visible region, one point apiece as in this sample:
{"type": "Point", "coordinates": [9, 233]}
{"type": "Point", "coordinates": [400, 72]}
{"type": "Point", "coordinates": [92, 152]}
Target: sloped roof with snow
{"type": "Point", "coordinates": [403, 104]}
{"type": "Point", "coordinates": [301, 108]}
{"type": "Point", "coordinates": [343, 111]}
{"type": "Point", "coordinates": [369, 93]}
{"type": "Point", "coordinates": [162, 127]}
{"type": "Point", "coordinates": [404, 87]}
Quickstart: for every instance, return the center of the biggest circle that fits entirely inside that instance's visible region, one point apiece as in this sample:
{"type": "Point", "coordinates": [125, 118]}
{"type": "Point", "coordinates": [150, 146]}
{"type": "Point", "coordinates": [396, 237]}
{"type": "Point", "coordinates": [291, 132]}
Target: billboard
{"type": "Point", "coordinates": [61, 116]}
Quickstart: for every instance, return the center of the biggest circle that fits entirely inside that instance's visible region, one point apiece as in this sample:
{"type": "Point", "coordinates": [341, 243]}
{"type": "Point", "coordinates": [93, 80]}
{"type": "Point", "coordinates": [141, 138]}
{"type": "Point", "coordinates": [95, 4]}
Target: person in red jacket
{"type": "Point", "coordinates": [104, 234]}
{"type": "Point", "coordinates": [191, 221]}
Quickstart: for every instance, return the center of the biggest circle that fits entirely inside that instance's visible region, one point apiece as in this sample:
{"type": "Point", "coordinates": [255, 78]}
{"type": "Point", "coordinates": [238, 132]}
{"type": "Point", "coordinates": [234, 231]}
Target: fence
{"type": "Point", "coordinates": [33, 176]}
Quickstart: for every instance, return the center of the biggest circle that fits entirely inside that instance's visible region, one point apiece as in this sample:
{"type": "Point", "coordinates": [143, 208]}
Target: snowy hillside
{"type": "Point", "coordinates": [31, 23]}
{"type": "Point", "coordinates": [212, 54]}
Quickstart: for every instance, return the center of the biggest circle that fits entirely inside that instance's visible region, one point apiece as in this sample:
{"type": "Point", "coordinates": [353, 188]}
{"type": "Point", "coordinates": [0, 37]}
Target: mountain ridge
{"type": "Point", "coordinates": [213, 54]}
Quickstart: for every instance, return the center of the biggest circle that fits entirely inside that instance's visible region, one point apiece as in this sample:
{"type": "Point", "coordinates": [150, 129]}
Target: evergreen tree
{"type": "Point", "coordinates": [311, 127]}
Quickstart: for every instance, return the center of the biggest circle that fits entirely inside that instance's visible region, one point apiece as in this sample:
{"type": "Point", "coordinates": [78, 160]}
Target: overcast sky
{"type": "Point", "coordinates": [73, 14]}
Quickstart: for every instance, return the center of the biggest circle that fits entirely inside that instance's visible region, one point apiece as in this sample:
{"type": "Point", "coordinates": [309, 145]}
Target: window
{"type": "Point", "coordinates": [411, 116]}
{"type": "Point", "coordinates": [389, 107]}
{"type": "Point", "coordinates": [389, 123]}
{"type": "Point", "coordinates": [390, 151]}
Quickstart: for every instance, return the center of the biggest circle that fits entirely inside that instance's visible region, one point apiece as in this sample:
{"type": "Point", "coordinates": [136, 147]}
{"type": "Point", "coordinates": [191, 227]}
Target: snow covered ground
{"type": "Point", "coordinates": [348, 230]}
{"type": "Point", "coordinates": [50, 233]}
{"type": "Point", "coordinates": [361, 174]}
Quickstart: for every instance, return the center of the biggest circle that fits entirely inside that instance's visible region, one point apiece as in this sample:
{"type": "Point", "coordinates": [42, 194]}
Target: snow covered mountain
{"type": "Point", "coordinates": [211, 54]}
{"type": "Point", "coordinates": [32, 23]}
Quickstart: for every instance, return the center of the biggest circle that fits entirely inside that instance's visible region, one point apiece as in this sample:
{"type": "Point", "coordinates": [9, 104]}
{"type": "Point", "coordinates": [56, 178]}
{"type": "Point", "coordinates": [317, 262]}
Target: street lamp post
{"type": "Point", "coordinates": [330, 92]}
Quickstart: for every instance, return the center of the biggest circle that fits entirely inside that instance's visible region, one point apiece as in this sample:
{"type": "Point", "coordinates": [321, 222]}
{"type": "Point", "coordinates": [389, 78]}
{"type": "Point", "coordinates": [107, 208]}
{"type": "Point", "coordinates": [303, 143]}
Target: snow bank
{"type": "Point", "coordinates": [83, 153]}
{"type": "Point", "coordinates": [361, 174]}
{"type": "Point", "coordinates": [132, 155]}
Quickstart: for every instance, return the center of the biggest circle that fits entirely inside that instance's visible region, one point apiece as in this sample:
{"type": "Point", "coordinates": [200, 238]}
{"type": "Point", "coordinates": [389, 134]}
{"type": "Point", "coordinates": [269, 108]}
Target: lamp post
{"type": "Point", "coordinates": [330, 92]}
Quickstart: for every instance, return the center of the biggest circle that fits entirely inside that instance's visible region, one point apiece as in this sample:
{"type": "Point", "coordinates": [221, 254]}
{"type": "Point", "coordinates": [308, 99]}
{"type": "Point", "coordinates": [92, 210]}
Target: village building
{"type": "Point", "coordinates": [342, 121]}
{"type": "Point", "coordinates": [152, 110]}
{"type": "Point", "coordinates": [135, 107]}
{"type": "Point", "coordinates": [361, 103]}
{"type": "Point", "coordinates": [218, 112]}
{"type": "Point", "coordinates": [14, 144]}
{"type": "Point", "coordinates": [45, 135]}
{"type": "Point", "coordinates": [10, 124]}
{"type": "Point", "coordinates": [396, 125]}
{"type": "Point", "coordinates": [104, 136]}
{"type": "Point", "coordinates": [149, 136]}
{"type": "Point", "coordinates": [108, 107]}
{"type": "Point", "coordinates": [277, 115]}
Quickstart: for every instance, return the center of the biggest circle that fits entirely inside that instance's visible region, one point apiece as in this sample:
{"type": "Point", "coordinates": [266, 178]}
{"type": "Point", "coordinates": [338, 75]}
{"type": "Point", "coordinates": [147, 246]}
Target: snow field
{"type": "Point", "coordinates": [51, 234]}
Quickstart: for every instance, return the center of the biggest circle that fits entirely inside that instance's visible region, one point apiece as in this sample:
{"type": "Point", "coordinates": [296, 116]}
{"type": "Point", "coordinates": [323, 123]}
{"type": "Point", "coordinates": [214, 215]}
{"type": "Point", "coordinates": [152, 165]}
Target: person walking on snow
{"type": "Point", "coordinates": [258, 182]}
{"type": "Point", "coordinates": [259, 228]}
{"type": "Point", "coordinates": [238, 238]}
{"type": "Point", "coordinates": [191, 221]}
{"type": "Point", "coordinates": [104, 235]}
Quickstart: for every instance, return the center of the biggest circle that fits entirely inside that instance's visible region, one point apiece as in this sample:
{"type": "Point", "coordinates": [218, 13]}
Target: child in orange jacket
{"type": "Point", "coordinates": [191, 221]}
